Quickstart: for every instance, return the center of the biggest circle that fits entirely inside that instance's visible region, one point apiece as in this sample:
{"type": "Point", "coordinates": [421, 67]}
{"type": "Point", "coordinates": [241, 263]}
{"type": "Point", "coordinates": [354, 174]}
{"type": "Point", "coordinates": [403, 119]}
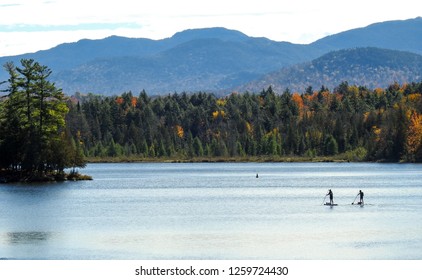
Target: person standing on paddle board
{"type": "Point", "coordinates": [330, 193]}
{"type": "Point", "coordinates": [360, 197]}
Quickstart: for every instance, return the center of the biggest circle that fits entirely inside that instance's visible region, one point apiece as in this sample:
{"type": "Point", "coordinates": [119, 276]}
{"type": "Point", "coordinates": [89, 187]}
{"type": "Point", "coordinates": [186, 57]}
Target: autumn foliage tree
{"type": "Point", "coordinates": [414, 137]}
{"type": "Point", "coordinates": [351, 123]}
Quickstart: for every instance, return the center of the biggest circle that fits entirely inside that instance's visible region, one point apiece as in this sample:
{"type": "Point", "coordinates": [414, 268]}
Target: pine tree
{"type": "Point", "coordinates": [32, 122]}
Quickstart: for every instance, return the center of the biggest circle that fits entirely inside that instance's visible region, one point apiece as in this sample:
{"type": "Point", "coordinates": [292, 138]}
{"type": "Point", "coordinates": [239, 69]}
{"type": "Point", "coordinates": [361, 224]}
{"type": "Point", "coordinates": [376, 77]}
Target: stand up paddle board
{"type": "Point", "coordinates": [359, 203]}
{"type": "Point", "coordinates": [329, 204]}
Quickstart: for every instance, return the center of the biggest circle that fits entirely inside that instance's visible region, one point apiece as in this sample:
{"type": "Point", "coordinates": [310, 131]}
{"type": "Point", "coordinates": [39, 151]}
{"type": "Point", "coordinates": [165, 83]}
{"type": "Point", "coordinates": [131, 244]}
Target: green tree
{"type": "Point", "coordinates": [33, 122]}
{"type": "Point", "coordinates": [331, 146]}
{"type": "Point", "coordinates": [197, 147]}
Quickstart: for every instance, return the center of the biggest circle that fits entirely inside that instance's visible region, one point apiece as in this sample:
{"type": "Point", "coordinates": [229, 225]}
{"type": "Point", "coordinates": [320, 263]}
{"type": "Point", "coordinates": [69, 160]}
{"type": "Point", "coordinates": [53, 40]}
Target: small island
{"type": "Point", "coordinates": [35, 144]}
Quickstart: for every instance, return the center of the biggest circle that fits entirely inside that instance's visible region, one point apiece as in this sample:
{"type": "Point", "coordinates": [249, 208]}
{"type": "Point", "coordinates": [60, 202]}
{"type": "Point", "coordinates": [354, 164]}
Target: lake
{"type": "Point", "coordinates": [217, 211]}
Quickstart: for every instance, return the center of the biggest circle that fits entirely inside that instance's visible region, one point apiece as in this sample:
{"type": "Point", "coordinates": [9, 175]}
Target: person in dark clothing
{"type": "Point", "coordinates": [330, 193]}
{"type": "Point", "coordinates": [360, 197]}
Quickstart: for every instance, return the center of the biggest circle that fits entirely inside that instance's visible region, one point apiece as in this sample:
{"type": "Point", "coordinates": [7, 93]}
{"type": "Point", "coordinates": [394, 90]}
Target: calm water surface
{"type": "Point", "coordinates": [217, 211]}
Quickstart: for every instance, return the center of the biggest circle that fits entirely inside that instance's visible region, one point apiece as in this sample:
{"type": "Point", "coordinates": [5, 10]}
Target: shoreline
{"type": "Point", "coordinates": [8, 176]}
{"type": "Point", "coordinates": [257, 159]}
{"type": "Point", "coordinates": [211, 159]}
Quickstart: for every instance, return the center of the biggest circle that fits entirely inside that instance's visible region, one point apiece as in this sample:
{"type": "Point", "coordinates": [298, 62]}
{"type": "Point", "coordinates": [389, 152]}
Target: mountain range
{"type": "Point", "coordinates": [221, 60]}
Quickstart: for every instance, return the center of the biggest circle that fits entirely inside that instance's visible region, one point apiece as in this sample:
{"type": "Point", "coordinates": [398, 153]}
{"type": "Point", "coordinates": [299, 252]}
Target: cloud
{"type": "Point", "coordinates": [300, 21]}
{"type": "Point", "coordinates": [8, 5]}
{"type": "Point", "coordinates": [75, 27]}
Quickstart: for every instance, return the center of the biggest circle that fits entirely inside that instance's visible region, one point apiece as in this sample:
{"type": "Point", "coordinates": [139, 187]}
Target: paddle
{"type": "Point", "coordinates": [355, 199]}
{"type": "Point", "coordinates": [324, 199]}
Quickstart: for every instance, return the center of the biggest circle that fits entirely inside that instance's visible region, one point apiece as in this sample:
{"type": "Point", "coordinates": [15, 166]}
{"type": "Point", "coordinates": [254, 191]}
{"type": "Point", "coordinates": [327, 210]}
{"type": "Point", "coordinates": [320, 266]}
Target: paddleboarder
{"type": "Point", "coordinates": [330, 193]}
{"type": "Point", "coordinates": [360, 197]}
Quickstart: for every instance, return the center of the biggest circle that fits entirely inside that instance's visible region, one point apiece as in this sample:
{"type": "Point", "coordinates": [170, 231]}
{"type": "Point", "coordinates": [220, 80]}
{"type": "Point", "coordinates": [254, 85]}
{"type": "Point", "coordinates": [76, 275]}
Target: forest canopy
{"type": "Point", "coordinates": [350, 123]}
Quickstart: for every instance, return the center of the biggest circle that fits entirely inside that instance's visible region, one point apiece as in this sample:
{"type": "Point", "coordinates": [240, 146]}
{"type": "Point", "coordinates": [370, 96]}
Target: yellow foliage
{"type": "Point", "coordinates": [78, 137]}
{"type": "Point", "coordinates": [220, 113]}
{"type": "Point", "coordinates": [314, 135]}
{"type": "Point", "coordinates": [414, 134]}
{"type": "Point", "coordinates": [221, 102]}
{"type": "Point", "coordinates": [414, 97]}
{"type": "Point", "coordinates": [180, 132]}
{"type": "Point", "coordinates": [377, 132]}
{"type": "Point", "coordinates": [354, 90]}
{"type": "Point", "coordinates": [249, 128]}
{"type": "Point", "coordinates": [365, 116]}
{"type": "Point", "coordinates": [272, 132]}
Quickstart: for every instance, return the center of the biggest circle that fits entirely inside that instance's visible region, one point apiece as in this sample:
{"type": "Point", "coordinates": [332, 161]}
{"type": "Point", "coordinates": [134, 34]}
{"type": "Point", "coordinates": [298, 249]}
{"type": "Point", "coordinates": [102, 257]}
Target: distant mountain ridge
{"type": "Point", "coordinates": [403, 35]}
{"type": "Point", "coordinates": [210, 59]}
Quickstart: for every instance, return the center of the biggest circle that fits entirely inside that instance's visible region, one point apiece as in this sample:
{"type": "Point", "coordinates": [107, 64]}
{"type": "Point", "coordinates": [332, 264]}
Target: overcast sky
{"type": "Point", "coordinates": [32, 25]}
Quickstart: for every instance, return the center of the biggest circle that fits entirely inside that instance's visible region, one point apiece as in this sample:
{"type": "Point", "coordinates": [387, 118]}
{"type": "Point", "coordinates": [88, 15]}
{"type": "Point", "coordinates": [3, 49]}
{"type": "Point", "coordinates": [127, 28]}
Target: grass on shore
{"type": "Point", "coordinates": [128, 159]}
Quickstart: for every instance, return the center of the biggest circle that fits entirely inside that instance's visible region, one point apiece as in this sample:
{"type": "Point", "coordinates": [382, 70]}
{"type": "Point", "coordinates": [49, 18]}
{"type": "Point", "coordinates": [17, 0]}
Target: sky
{"type": "Point", "coordinates": [31, 25]}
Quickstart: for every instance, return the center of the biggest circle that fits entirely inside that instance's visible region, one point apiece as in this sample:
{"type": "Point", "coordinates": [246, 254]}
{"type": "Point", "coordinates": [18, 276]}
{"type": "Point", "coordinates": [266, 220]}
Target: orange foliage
{"type": "Point", "coordinates": [379, 91]}
{"type": "Point", "coordinates": [180, 132]}
{"type": "Point", "coordinates": [314, 96]}
{"type": "Point", "coordinates": [119, 100]}
{"type": "Point", "coordinates": [298, 100]}
{"type": "Point", "coordinates": [134, 101]}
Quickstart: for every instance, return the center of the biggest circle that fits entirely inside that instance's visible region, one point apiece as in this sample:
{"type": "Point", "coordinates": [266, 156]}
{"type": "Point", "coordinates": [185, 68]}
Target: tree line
{"type": "Point", "coordinates": [43, 132]}
{"type": "Point", "coordinates": [350, 123]}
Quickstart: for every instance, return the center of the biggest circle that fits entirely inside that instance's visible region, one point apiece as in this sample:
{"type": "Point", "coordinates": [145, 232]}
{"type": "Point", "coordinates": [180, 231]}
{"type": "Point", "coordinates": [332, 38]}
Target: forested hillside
{"type": "Point", "coordinates": [350, 123]}
{"type": "Point", "coordinates": [369, 67]}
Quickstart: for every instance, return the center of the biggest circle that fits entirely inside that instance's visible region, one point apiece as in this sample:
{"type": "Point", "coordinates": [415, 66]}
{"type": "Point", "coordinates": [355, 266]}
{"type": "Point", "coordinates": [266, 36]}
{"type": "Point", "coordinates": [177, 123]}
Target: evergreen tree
{"type": "Point", "coordinates": [33, 139]}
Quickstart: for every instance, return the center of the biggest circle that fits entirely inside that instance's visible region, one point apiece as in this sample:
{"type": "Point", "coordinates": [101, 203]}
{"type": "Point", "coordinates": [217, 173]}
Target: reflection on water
{"type": "Point", "coordinates": [28, 237]}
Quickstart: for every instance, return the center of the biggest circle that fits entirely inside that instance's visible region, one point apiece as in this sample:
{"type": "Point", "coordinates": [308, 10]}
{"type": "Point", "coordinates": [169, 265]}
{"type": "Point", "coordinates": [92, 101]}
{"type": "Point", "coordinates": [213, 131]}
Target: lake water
{"type": "Point", "coordinates": [217, 211]}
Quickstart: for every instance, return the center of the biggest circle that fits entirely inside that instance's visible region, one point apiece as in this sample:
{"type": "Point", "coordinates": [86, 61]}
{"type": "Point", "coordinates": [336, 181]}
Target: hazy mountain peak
{"type": "Point", "coordinates": [209, 33]}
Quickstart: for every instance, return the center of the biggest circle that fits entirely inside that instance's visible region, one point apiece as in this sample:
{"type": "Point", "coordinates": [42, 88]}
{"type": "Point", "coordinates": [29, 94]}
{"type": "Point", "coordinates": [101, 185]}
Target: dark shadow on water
{"type": "Point", "coordinates": [28, 237]}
